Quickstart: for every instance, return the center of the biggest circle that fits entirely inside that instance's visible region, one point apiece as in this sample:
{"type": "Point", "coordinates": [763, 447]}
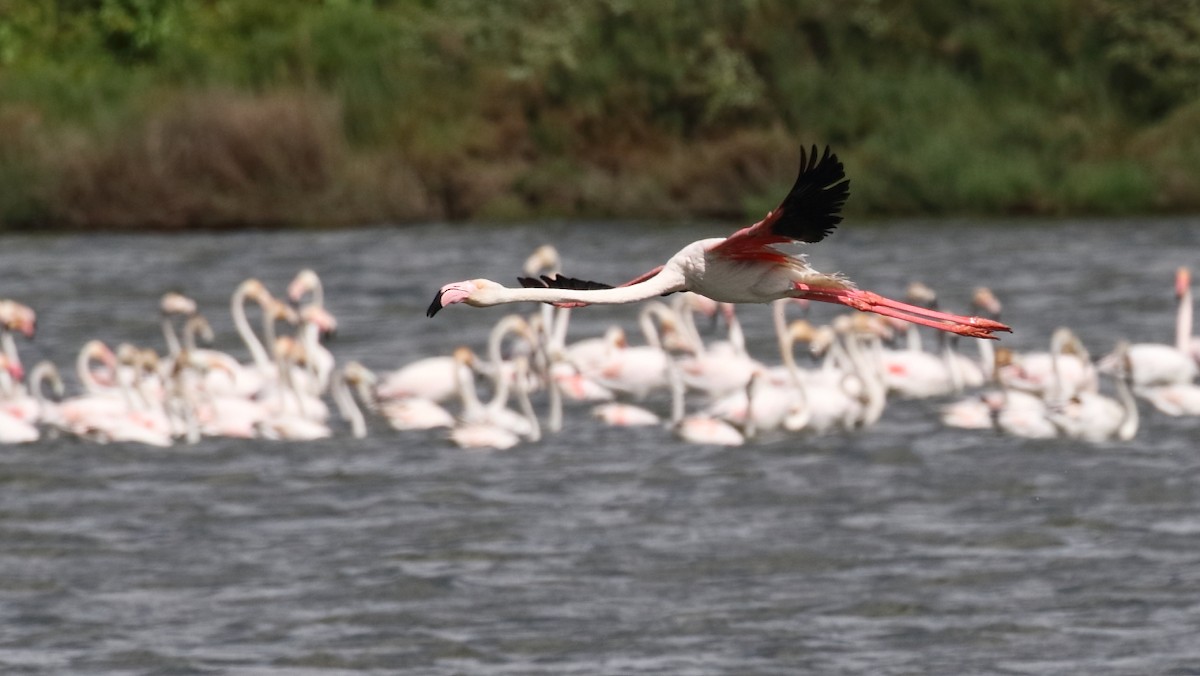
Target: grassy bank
{"type": "Point", "coordinates": [225, 113]}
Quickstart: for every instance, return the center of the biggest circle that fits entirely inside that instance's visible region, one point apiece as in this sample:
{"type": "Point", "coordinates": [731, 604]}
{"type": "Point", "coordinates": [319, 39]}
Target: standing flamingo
{"type": "Point", "coordinates": [22, 319]}
{"type": "Point", "coordinates": [1157, 364]}
{"type": "Point", "coordinates": [742, 268]}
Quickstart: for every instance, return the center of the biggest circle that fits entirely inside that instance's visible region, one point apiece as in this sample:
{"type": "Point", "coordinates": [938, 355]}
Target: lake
{"type": "Point", "coordinates": [905, 548]}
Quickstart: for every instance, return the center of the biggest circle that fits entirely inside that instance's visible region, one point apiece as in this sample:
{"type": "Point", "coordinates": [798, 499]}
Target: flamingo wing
{"type": "Point", "coordinates": [811, 210]}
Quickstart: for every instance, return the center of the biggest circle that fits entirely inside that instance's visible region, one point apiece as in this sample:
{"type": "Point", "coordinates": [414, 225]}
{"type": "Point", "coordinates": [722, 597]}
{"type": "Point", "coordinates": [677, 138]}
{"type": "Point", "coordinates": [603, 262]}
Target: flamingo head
{"type": "Point", "coordinates": [290, 350]}
{"type": "Point", "coordinates": [1183, 282]}
{"type": "Point", "coordinates": [458, 292]}
{"type": "Point", "coordinates": [986, 301]}
{"type": "Point", "coordinates": [199, 326]}
{"type": "Point", "coordinates": [254, 289]}
{"type": "Point", "coordinates": [463, 355]}
{"type": "Point", "coordinates": [801, 331]}
{"type": "Point", "coordinates": [543, 259]}
{"type": "Point", "coordinates": [823, 338]}
{"type": "Point", "coordinates": [306, 281]}
{"type": "Point", "coordinates": [355, 374]}
{"type": "Point", "coordinates": [176, 304]}
{"type": "Point", "coordinates": [919, 293]}
{"type": "Point", "coordinates": [319, 317]}
{"type": "Point", "coordinates": [280, 311]}
{"type": "Point", "coordinates": [18, 317]}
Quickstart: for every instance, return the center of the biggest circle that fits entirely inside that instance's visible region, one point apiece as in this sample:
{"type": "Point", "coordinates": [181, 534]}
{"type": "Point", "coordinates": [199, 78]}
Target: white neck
{"type": "Point", "coordinates": [666, 281]}
{"type": "Point", "coordinates": [348, 407]}
{"type": "Point", "coordinates": [237, 307]}
{"type": "Point", "coordinates": [1183, 322]}
{"type": "Point", "coordinates": [169, 335]}
{"type": "Point", "coordinates": [1129, 421]}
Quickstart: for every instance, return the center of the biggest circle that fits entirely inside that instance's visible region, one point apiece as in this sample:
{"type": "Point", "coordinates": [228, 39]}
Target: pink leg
{"type": "Point", "coordinates": [867, 301]}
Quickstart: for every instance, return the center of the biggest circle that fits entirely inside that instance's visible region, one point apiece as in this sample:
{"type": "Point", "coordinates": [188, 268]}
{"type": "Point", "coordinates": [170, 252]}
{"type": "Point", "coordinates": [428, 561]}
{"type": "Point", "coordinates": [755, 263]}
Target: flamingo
{"type": "Point", "coordinates": [20, 318]}
{"type": "Point", "coordinates": [622, 414]}
{"type": "Point", "coordinates": [347, 407]}
{"type": "Point", "coordinates": [724, 367]}
{"type": "Point", "coordinates": [405, 413]}
{"type": "Point", "coordinates": [1056, 375]}
{"type": "Point", "coordinates": [1092, 416]}
{"type": "Point", "coordinates": [293, 414]}
{"type": "Point", "coordinates": [306, 282]}
{"type": "Point", "coordinates": [742, 268]}
{"type": "Point", "coordinates": [699, 428]}
{"type": "Point", "coordinates": [1183, 318]}
{"type": "Point", "coordinates": [913, 373]}
{"type": "Point", "coordinates": [436, 378]}
{"type": "Point", "coordinates": [495, 412]}
{"type": "Point", "coordinates": [1016, 412]}
{"type": "Point", "coordinates": [1157, 364]}
{"type": "Point", "coordinates": [491, 432]}
{"type": "Point", "coordinates": [835, 394]}
{"type": "Point", "coordinates": [639, 370]}
{"type": "Point", "coordinates": [16, 422]}
{"type": "Point", "coordinates": [171, 304]}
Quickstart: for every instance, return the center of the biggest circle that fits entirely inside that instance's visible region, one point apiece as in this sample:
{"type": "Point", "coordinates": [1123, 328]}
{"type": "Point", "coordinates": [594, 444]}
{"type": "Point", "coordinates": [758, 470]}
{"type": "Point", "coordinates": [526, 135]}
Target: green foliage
{"type": "Point", "coordinates": [465, 108]}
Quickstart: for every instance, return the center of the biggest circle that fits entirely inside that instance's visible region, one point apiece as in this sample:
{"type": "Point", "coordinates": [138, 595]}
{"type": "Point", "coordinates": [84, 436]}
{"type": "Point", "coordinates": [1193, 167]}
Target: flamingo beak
{"type": "Point", "coordinates": [436, 305]}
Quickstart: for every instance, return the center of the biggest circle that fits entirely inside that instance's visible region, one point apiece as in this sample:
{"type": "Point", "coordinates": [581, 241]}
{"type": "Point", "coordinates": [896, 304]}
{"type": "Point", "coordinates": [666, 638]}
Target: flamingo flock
{"type": "Point", "coordinates": [682, 366]}
{"type": "Point", "coordinates": [490, 398]}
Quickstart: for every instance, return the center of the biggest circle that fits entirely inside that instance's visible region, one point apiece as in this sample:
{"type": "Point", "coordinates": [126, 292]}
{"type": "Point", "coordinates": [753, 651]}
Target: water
{"type": "Point", "coordinates": [907, 548]}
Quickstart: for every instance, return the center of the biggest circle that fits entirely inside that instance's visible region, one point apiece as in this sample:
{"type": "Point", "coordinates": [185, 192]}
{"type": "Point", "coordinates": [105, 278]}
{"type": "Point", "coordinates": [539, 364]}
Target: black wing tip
{"type": "Point", "coordinates": [812, 208]}
{"type": "Point", "coordinates": [561, 282]}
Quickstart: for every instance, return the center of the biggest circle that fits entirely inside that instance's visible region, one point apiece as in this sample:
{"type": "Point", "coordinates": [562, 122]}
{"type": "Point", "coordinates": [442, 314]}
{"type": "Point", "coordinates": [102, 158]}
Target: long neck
{"type": "Point", "coordinates": [558, 337]}
{"type": "Point", "coordinates": [87, 378]}
{"type": "Point", "coordinates": [987, 359]}
{"type": "Point", "coordinates": [348, 408]}
{"type": "Point", "coordinates": [646, 322]}
{"type": "Point", "coordinates": [310, 337]}
{"type": "Point", "coordinates": [912, 336]}
{"type": "Point", "coordinates": [737, 338]}
{"type": "Point", "coordinates": [554, 420]}
{"type": "Point", "coordinates": [169, 335]}
{"type": "Point", "coordinates": [666, 281]}
{"type": "Point", "coordinates": [952, 364]}
{"type": "Point", "coordinates": [465, 379]}
{"type": "Point", "coordinates": [10, 353]}
{"type": "Point", "coordinates": [526, 406]}
{"type": "Point", "coordinates": [505, 326]}
{"type": "Point", "coordinates": [677, 392]}
{"type": "Point", "coordinates": [237, 307]}
{"type": "Point", "coordinates": [868, 373]}
{"type": "Point", "coordinates": [1129, 421]}
{"type": "Point", "coordinates": [1183, 322]}
{"type": "Point", "coordinates": [688, 320]}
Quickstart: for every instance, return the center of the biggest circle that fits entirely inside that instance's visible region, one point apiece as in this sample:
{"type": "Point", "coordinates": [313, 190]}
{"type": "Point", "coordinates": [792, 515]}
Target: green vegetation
{"type": "Point", "coordinates": [218, 113]}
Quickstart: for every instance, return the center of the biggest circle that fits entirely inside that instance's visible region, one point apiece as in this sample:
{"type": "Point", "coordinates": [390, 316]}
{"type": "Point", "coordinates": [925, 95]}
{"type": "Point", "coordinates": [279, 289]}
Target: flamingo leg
{"type": "Point", "coordinates": [868, 301]}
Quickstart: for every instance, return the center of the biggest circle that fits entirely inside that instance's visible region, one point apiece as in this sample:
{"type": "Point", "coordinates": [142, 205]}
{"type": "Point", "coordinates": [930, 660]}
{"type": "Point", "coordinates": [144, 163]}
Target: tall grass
{"type": "Point", "coordinates": [147, 113]}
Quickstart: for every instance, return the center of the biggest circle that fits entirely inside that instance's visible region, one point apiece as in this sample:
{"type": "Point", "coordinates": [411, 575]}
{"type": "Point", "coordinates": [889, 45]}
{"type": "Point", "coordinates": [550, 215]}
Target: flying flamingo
{"type": "Point", "coordinates": [742, 268]}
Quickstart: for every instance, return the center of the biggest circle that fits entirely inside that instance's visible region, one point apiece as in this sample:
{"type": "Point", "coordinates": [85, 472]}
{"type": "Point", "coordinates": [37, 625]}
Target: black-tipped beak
{"type": "Point", "coordinates": [435, 305]}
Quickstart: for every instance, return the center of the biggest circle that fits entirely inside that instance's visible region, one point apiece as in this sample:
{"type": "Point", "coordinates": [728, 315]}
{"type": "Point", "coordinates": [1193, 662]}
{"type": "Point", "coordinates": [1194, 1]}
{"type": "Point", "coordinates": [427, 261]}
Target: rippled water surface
{"type": "Point", "coordinates": [907, 548]}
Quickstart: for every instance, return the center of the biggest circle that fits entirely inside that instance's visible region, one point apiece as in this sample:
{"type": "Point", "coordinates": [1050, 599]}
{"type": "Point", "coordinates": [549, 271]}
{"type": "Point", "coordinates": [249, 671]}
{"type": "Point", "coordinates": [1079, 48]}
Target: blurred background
{"type": "Point", "coordinates": [155, 114]}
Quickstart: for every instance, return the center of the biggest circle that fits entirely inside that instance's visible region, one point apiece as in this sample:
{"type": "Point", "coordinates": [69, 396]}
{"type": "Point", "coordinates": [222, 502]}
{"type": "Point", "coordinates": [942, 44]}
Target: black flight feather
{"type": "Point", "coordinates": [812, 208]}
{"type": "Point", "coordinates": [561, 282]}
